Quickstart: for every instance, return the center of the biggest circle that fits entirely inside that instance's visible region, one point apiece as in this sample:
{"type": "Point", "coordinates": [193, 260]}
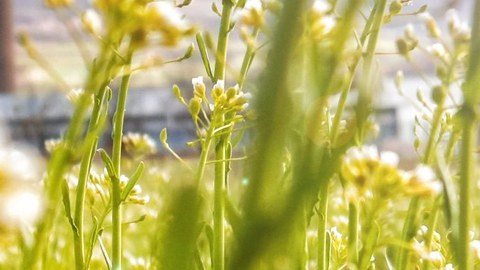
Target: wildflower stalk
{"type": "Point", "coordinates": [323, 259]}
{"type": "Point", "coordinates": [60, 162]}
{"type": "Point", "coordinates": [431, 224]}
{"type": "Point", "coordinates": [365, 94]}
{"type": "Point", "coordinates": [273, 109]}
{"type": "Point", "coordinates": [469, 113]}
{"type": "Point", "coordinates": [247, 59]}
{"type": "Point", "coordinates": [221, 144]}
{"type": "Point", "coordinates": [353, 221]}
{"type": "Point", "coordinates": [119, 118]}
{"type": "Point", "coordinates": [79, 242]}
{"type": "Point", "coordinates": [409, 227]}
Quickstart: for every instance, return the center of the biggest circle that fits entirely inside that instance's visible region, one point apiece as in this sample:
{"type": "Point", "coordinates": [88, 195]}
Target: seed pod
{"type": "Point", "coordinates": [402, 47]}
{"type": "Point", "coordinates": [439, 93]}
{"type": "Point", "coordinates": [395, 7]}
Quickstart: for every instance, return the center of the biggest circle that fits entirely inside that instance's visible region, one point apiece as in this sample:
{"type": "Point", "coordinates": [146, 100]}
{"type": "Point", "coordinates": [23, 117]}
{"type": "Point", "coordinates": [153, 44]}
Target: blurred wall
{"type": "Point", "coordinates": [7, 75]}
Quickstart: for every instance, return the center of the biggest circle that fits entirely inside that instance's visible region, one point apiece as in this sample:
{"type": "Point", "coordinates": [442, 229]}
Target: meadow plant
{"type": "Point", "coordinates": [287, 176]}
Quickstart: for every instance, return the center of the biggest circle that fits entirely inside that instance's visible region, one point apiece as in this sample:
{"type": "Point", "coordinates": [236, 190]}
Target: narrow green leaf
{"type": "Point", "coordinates": [184, 3]}
{"type": "Point", "coordinates": [422, 9]}
{"type": "Point", "coordinates": [108, 163]}
{"type": "Point", "coordinates": [209, 233]}
{"type": "Point", "coordinates": [133, 180]}
{"type": "Point", "coordinates": [67, 205]}
{"type": "Point", "coordinates": [204, 54]}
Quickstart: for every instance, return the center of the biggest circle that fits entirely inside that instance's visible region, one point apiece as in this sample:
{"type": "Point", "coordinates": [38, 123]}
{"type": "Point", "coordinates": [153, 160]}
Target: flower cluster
{"type": "Point", "coordinates": [138, 145]}
{"type": "Point", "coordinates": [321, 20]}
{"type": "Point", "coordinates": [100, 187]}
{"type": "Point", "coordinates": [252, 14]}
{"type": "Point", "coordinates": [142, 17]}
{"type": "Point", "coordinates": [435, 253]}
{"type": "Point", "coordinates": [376, 173]}
{"type": "Point", "coordinates": [220, 109]}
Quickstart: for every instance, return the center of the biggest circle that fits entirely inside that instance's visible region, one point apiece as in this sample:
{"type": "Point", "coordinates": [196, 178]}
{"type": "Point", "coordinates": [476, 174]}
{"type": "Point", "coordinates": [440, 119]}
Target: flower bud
{"type": "Point", "coordinates": [231, 92]}
{"type": "Point", "coordinates": [395, 7]}
{"type": "Point", "coordinates": [199, 87]}
{"type": "Point", "coordinates": [91, 21]}
{"type": "Point", "coordinates": [399, 79]}
{"type": "Point", "coordinates": [402, 47]}
{"type": "Point", "coordinates": [177, 93]}
{"type": "Point", "coordinates": [439, 93]}
{"type": "Point", "coordinates": [195, 106]}
{"type": "Point", "coordinates": [431, 25]}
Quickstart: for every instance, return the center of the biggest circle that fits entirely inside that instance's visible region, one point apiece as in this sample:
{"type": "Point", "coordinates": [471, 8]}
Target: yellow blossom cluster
{"type": "Point", "coordinates": [137, 144]}
{"type": "Point", "coordinates": [371, 172]}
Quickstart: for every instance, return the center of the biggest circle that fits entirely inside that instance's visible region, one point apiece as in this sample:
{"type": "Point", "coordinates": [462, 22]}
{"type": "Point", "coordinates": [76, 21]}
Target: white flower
{"type": "Point", "coordinates": [22, 207]}
{"type": "Point", "coordinates": [436, 258]}
{"type": "Point", "coordinates": [389, 158]}
{"type": "Point", "coordinates": [321, 6]}
{"type": "Point", "coordinates": [220, 84]}
{"type": "Point", "coordinates": [449, 267]}
{"type": "Point", "coordinates": [475, 246]}
{"type": "Point", "coordinates": [197, 80]}
{"type": "Point", "coordinates": [253, 4]}
{"type": "Point", "coordinates": [437, 50]}
{"type": "Point", "coordinates": [92, 21]}
{"type": "Point", "coordinates": [166, 13]}
{"type": "Point", "coordinates": [423, 182]}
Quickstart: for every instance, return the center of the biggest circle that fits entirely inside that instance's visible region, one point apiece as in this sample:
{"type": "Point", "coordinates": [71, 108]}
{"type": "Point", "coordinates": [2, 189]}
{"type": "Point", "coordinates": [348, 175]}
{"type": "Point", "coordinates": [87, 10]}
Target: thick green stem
{"type": "Point", "coordinates": [221, 145]}
{"type": "Point", "coordinates": [222, 43]}
{"type": "Point", "coordinates": [219, 205]}
{"type": "Point", "coordinates": [116, 158]}
{"type": "Point", "coordinates": [323, 259]}
{"type": "Point", "coordinates": [469, 113]}
{"type": "Point", "coordinates": [353, 221]}
{"type": "Point", "coordinates": [370, 241]}
{"type": "Point", "coordinates": [467, 175]}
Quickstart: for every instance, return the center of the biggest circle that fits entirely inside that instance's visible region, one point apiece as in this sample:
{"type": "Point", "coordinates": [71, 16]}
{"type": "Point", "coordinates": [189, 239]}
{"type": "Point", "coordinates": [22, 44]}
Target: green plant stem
{"type": "Point", "coordinates": [79, 242]}
{"type": "Point", "coordinates": [221, 145]}
{"type": "Point", "coordinates": [248, 58]}
{"type": "Point", "coordinates": [469, 113]}
{"type": "Point", "coordinates": [409, 227]}
{"type": "Point", "coordinates": [219, 205]}
{"type": "Point", "coordinates": [353, 221]}
{"type": "Point", "coordinates": [408, 232]}
{"type": "Point", "coordinates": [370, 241]}
{"type": "Point", "coordinates": [322, 260]}
{"type": "Point", "coordinates": [365, 94]}
{"type": "Point", "coordinates": [60, 162]}
{"type": "Point", "coordinates": [432, 223]}
{"type": "Point", "coordinates": [117, 158]}
{"type": "Point", "coordinates": [467, 175]}
{"type": "Point", "coordinates": [222, 43]}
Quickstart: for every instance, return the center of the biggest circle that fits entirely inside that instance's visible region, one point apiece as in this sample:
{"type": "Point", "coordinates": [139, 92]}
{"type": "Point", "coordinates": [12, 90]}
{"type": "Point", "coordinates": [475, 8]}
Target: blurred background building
{"type": "Point", "coordinates": [35, 107]}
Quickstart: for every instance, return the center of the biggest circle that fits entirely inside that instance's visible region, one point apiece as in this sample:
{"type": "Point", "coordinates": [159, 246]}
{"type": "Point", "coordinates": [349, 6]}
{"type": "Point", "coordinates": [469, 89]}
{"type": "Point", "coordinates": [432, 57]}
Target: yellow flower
{"type": "Point", "coordinates": [57, 3]}
{"type": "Point", "coordinates": [138, 144]}
{"type": "Point", "coordinates": [422, 182]}
{"type": "Point", "coordinates": [165, 18]}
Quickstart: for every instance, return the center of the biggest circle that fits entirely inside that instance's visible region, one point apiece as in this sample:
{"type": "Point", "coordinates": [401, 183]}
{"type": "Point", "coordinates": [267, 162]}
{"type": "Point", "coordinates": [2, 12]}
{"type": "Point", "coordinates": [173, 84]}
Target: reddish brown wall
{"type": "Point", "coordinates": [7, 72]}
